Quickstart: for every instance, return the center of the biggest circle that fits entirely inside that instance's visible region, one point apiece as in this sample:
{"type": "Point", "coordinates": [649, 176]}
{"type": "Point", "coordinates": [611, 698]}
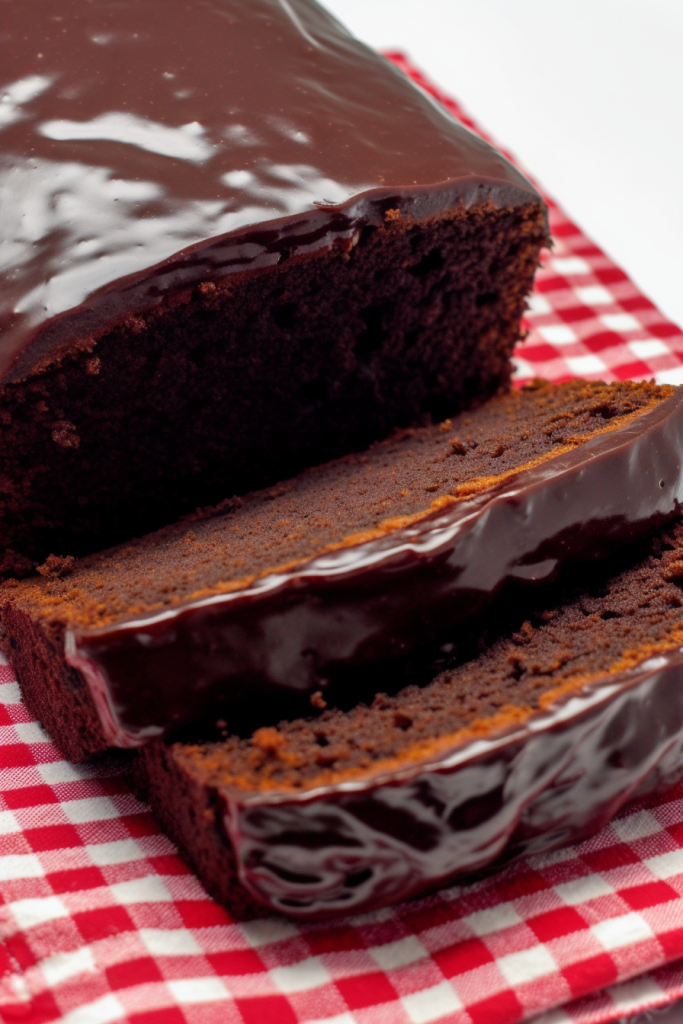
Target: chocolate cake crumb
{"type": "Point", "coordinates": [56, 566]}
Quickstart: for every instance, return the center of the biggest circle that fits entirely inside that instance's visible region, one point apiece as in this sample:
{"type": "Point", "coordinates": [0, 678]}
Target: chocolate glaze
{"type": "Point", "coordinates": [147, 145]}
{"type": "Point", "coordinates": [357, 609]}
{"type": "Point", "coordinates": [369, 843]}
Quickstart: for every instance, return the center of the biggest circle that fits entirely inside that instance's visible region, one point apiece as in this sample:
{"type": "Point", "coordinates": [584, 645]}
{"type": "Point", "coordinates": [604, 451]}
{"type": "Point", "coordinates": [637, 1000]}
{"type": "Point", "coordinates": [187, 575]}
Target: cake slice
{"type": "Point", "coordinates": [573, 710]}
{"type": "Point", "coordinates": [234, 242]}
{"type": "Point", "coordinates": [318, 590]}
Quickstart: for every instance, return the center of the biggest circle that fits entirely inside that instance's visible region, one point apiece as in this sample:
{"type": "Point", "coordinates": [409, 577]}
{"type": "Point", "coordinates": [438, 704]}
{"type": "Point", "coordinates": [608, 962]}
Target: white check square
{"type": "Point", "coordinates": [674, 376]}
{"type": "Point", "coordinates": [31, 732]}
{"type": "Point", "coordinates": [620, 322]}
{"type": "Point", "coordinates": [666, 865]}
{"type": "Point", "coordinates": [636, 826]}
{"type": "Point", "coordinates": [522, 368]}
{"type": "Point", "coordinates": [102, 1011]}
{"type": "Point", "coordinates": [594, 295]}
{"type": "Point", "coordinates": [93, 808]}
{"type": "Point", "coordinates": [20, 865]}
{"type": "Point", "coordinates": [527, 965]}
{"type": "Point", "coordinates": [9, 692]}
{"type": "Point", "coordinates": [537, 305]}
{"type": "Point", "coordinates": [495, 919]}
{"type": "Point", "coordinates": [61, 966]}
{"type": "Point", "coordinates": [557, 334]}
{"type": "Point", "coordinates": [8, 824]}
{"type": "Point", "coordinates": [149, 889]}
{"type": "Point", "coordinates": [119, 851]}
{"type": "Point", "coordinates": [170, 942]}
{"type": "Point", "coordinates": [54, 772]}
{"type": "Point", "coordinates": [31, 912]}
{"type": "Point", "coordinates": [568, 265]}
{"type": "Point", "coordinates": [621, 931]}
{"type": "Point", "coordinates": [581, 365]}
{"type": "Point", "coordinates": [648, 347]}
{"type": "Point", "coordinates": [400, 953]}
{"type": "Point", "coordinates": [268, 931]}
{"type": "Point", "coordinates": [581, 890]}
{"type": "Point", "coordinates": [301, 977]}
{"type": "Point", "coordinates": [431, 1003]}
{"type": "Point", "coordinates": [198, 990]}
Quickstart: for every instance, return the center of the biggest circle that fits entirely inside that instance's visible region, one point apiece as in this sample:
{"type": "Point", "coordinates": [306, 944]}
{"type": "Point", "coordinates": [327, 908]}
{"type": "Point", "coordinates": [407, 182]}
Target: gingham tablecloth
{"type": "Point", "coordinates": [101, 921]}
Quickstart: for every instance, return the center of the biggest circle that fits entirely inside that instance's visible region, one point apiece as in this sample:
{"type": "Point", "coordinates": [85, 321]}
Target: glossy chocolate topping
{"type": "Point", "coordinates": [355, 846]}
{"type": "Point", "coordinates": [320, 625]}
{"type": "Point", "coordinates": [146, 145]}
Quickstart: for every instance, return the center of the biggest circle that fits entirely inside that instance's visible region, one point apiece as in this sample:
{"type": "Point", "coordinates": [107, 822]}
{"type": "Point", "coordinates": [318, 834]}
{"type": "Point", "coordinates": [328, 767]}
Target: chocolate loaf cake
{"type": "Point", "coordinates": [320, 589]}
{"type": "Point", "coordinates": [537, 742]}
{"type": "Point", "coordinates": [234, 242]}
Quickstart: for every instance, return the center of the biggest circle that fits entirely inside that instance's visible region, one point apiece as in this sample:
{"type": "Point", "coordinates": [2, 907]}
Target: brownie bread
{"type": "Point", "coordinates": [318, 589]}
{"type": "Point", "coordinates": [535, 743]}
{"type": "Point", "coordinates": [258, 248]}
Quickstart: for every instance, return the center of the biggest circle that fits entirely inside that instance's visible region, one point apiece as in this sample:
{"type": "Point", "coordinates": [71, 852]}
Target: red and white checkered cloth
{"type": "Point", "coordinates": [102, 922]}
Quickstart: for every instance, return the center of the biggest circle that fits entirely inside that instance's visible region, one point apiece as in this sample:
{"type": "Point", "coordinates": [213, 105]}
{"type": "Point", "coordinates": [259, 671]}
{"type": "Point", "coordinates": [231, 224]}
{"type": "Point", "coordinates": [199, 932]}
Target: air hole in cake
{"type": "Point", "coordinates": [606, 411]}
{"type": "Point", "coordinates": [517, 668]}
{"type": "Point", "coordinates": [430, 263]}
{"type": "Point", "coordinates": [367, 232]}
{"type": "Point", "coordinates": [309, 394]}
{"type": "Point", "coordinates": [373, 337]}
{"type": "Point", "coordinates": [487, 299]}
{"type": "Point", "coordinates": [285, 315]}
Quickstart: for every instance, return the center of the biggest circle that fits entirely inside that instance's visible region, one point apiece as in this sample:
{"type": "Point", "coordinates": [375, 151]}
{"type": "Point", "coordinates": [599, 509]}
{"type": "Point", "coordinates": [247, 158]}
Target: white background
{"type": "Point", "coordinates": [588, 94]}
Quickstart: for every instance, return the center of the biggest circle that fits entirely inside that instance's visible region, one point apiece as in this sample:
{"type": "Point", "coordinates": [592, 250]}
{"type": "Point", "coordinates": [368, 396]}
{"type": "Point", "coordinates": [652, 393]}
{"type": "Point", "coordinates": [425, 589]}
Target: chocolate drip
{"type": "Point", "coordinates": [325, 622]}
{"type": "Point", "coordinates": [149, 146]}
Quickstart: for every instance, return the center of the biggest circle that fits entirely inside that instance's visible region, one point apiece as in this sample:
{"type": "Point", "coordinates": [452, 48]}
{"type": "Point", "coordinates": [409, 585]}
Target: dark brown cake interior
{"type": "Point", "coordinates": [596, 625]}
{"type": "Point", "coordinates": [223, 389]}
{"type": "Point", "coordinates": [336, 504]}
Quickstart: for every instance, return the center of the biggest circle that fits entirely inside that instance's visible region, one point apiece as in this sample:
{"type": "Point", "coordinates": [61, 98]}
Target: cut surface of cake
{"type": "Point", "coordinates": [536, 743]}
{"type": "Point", "coordinates": [234, 242]}
{"type": "Point", "coordinates": [319, 588]}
